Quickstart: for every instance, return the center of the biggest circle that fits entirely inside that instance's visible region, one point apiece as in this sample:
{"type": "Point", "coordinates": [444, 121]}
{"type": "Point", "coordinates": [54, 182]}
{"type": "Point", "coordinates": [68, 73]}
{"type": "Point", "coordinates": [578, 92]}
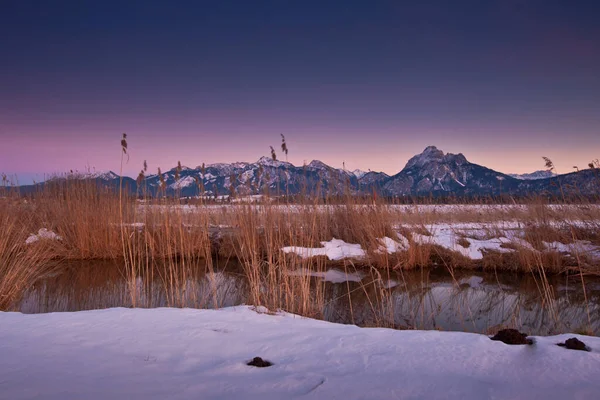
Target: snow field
{"type": "Point", "coordinates": [202, 354]}
{"type": "Point", "coordinates": [449, 236]}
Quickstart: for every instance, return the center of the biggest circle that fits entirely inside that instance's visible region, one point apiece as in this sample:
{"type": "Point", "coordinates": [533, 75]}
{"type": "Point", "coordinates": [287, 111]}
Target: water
{"type": "Point", "coordinates": [422, 299]}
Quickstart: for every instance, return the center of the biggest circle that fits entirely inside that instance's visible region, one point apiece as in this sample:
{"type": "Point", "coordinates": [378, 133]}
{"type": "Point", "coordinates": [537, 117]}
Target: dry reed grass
{"type": "Point", "coordinates": [167, 241]}
{"type": "Point", "coordinates": [96, 224]}
{"type": "Point", "coordinates": [20, 265]}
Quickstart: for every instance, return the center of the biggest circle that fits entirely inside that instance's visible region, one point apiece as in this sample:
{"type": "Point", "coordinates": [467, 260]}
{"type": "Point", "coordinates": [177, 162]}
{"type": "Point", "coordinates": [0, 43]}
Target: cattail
{"type": "Point", "coordinates": [258, 176]}
{"type": "Point", "coordinates": [548, 163]}
{"type": "Point", "coordinates": [273, 155]}
{"type": "Point", "coordinates": [140, 178]}
{"type": "Point", "coordinates": [162, 179]}
{"type": "Point", "coordinates": [178, 171]}
{"type": "Point", "coordinates": [284, 148]}
{"type": "Point", "coordinates": [197, 180]}
{"type": "Point", "coordinates": [203, 169]}
{"type": "Point", "coordinates": [124, 143]}
{"type": "Point", "coordinates": [232, 179]}
{"type": "Point", "coordinates": [145, 166]}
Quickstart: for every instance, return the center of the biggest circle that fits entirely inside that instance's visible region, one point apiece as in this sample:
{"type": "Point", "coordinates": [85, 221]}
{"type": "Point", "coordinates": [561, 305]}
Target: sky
{"type": "Point", "coordinates": [365, 84]}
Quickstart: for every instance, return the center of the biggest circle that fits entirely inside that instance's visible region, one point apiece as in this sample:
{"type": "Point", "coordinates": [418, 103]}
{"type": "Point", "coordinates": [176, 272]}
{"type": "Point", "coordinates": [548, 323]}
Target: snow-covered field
{"type": "Point", "coordinates": [439, 209]}
{"type": "Point", "coordinates": [202, 354]}
{"type": "Point", "coordinates": [471, 230]}
{"type": "Point", "coordinates": [480, 238]}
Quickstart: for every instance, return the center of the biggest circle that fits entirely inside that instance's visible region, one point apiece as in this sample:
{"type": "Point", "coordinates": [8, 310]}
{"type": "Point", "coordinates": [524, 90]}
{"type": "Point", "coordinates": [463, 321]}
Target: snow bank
{"type": "Point", "coordinates": [509, 233]}
{"type": "Point", "coordinates": [577, 248]}
{"type": "Point", "coordinates": [391, 246]}
{"type": "Point", "coordinates": [43, 234]}
{"type": "Point", "coordinates": [448, 238]}
{"type": "Point", "coordinates": [202, 354]}
{"type": "Point", "coordinates": [335, 249]}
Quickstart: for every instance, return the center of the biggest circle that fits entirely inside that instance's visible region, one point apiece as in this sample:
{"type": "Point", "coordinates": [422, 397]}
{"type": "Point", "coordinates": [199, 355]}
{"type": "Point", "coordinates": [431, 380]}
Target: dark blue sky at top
{"type": "Point", "coordinates": [469, 76]}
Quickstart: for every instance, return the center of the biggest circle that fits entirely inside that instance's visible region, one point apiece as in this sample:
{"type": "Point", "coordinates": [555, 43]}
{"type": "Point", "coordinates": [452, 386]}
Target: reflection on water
{"type": "Point", "coordinates": [422, 299]}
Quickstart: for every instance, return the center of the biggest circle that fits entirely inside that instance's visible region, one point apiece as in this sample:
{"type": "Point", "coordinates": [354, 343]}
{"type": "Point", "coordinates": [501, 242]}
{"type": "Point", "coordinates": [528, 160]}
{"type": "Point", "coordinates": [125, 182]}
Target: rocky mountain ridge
{"type": "Point", "coordinates": [431, 172]}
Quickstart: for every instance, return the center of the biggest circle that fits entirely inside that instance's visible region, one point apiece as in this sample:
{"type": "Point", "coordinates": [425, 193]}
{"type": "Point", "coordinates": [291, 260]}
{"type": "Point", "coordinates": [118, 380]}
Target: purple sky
{"type": "Point", "coordinates": [369, 85]}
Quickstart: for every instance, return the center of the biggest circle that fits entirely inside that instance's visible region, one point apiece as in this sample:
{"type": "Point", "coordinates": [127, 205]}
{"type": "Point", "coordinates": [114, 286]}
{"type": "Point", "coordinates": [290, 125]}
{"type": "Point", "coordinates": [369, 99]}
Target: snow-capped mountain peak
{"type": "Point", "coordinates": [359, 173]}
{"type": "Point", "coordinates": [316, 164]}
{"type": "Point", "coordinates": [106, 175]}
{"type": "Point", "coordinates": [542, 174]}
{"type": "Point", "coordinates": [269, 162]}
{"type": "Point", "coordinates": [431, 172]}
{"type": "Point", "coordinates": [433, 154]}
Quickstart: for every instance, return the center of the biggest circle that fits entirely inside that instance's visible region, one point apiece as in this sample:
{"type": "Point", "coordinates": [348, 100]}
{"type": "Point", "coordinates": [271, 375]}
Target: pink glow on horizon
{"type": "Point", "coordinates": [51, 144]}
{"type": "Point", "coordinates": [27, 155]}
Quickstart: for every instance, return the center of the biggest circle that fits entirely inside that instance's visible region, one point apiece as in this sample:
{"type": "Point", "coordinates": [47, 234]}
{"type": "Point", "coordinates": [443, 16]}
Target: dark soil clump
{"type": "Point", "coordinates": [259, 362]}
{"type": "Point", "coordinates": [574, 344]}
{"type": "Point", "coordinates": [511, 336]}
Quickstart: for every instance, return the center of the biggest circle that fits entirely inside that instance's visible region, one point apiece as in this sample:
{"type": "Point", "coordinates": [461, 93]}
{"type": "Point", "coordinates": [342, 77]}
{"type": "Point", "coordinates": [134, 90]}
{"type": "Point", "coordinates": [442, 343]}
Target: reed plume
{"type": "Point", "coordinates": [284, 147]}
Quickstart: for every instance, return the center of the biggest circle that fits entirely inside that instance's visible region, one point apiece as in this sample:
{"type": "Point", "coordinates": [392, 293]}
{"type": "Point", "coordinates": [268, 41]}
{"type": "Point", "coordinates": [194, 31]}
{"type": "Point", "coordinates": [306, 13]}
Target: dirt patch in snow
{"type": "Point", "coordinates": [574, 344]}
{"type": "Point", "coordinates": [511, 336]}
{"type": "Point", "coordinates": [259, 363]}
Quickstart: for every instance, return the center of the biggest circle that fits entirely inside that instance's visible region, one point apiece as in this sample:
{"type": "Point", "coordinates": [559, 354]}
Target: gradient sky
{"type": "Point", "coordinates": [366, 83]}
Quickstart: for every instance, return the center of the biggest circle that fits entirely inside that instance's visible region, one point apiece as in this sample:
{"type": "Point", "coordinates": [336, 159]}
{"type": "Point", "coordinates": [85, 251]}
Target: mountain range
{"type": "Point", "coordinates": [432, 172]}
{"type": "Point", "coordinates": [541, 174]}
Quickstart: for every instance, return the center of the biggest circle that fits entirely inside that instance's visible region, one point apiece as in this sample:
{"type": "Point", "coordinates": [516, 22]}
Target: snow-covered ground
{"type": "Point", "coordinates": [334, 249]}
{"type": "Point", "coordinates": [471, 240]}
{"type": "Point", "coordinates": [471, 230]}
{"type": "Point", "coordinates": [202, 354]}
{"type": "Point", "coordinates": [438, 209]}
{"type": "Point", "coordinates": [43, 234]}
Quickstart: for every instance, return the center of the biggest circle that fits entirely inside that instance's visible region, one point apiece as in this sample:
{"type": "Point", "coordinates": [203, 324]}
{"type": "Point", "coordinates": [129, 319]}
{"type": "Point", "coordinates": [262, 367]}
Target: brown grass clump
{"type": "Point", "coordinates": [20, 264]}
{"type": "Point", "coordinates": [463, 242]}
{"type": "Point", "coordinates": [86, 215]}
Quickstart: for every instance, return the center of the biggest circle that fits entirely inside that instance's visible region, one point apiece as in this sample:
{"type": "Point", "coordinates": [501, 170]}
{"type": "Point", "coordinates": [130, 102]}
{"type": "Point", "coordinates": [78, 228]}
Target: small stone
{"type": "Point", "coordinates": [259, 362]}
{"type": "Point", "coordinates": [511, 336]}
{"type": "Point", "coordinates": [574, 344]}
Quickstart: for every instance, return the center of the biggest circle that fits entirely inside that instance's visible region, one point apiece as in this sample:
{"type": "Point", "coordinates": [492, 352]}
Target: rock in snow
{"type": "Point", "coordinates": [202, 354]}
